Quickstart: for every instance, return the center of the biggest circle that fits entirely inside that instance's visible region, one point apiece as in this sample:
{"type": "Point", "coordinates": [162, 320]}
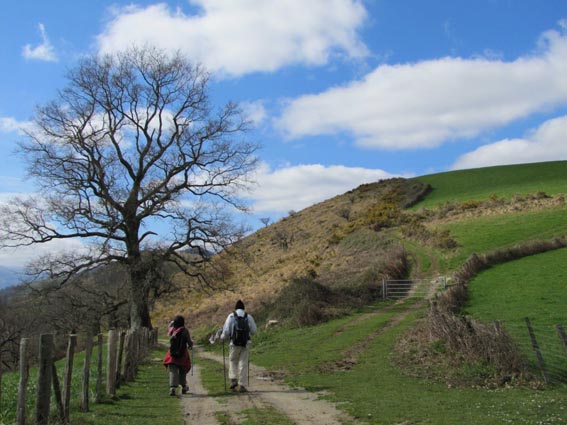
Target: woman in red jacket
{"type": "Point", "coordinates": [177, 358]}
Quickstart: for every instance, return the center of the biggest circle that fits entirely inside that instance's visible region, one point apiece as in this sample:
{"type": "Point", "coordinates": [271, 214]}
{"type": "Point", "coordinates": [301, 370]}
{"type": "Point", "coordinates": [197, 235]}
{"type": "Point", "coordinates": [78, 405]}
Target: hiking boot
{"type": "Point", "coordinates": [172, 391]}
{"type": "Point", "coordinates": [242, 389]}
{"type": "Point", "coordinates": [185, 390]}
{"type": "Point", "coordinates": [233, 384]}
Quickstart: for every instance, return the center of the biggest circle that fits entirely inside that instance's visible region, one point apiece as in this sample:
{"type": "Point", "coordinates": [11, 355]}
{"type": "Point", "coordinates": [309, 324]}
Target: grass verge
{"type": "Point", "coordinates": [144, 401]}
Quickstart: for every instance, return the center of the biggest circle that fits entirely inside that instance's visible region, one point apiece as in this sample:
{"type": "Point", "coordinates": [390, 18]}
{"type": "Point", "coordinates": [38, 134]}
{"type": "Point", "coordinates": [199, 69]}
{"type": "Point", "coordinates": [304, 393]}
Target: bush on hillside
{"type": "Point", "coordinates": [302, 302]}
{"type": "Point", "coordinates": [417, 231]}
{"type": "Point", "coordinates": [306, 301]}
{"type": "Point", "coordinates": [461, 351]}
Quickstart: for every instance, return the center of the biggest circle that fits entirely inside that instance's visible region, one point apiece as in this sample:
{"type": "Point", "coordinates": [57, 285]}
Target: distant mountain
{"type": "Point", "coordinates": [10, 276]}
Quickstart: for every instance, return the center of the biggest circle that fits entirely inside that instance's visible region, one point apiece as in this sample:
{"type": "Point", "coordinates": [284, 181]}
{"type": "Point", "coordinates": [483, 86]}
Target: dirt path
{"type": "Point", "coordinates": [301, 406]}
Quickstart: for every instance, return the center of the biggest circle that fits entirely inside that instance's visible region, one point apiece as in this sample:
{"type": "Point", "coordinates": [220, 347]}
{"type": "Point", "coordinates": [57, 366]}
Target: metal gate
{"type": "Point", "coordinates": [414, 288]}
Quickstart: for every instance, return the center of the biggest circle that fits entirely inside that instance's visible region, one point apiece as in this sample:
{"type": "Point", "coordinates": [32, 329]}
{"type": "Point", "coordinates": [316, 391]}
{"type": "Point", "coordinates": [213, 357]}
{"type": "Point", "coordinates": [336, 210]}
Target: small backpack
{"type": "Point", "coordinates": [176, 343]}
{"type": "Point", "coordinates": [241, 333]}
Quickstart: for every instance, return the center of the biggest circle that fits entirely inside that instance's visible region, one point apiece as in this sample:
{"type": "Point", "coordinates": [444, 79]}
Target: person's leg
{"type": "Point", "coordinates": [243, 368]}
{"type": "Point", "coordinates": [183, 381]}
{"type": "Point", "coordinates": [173, 378]}
{"type": "Point", "coordinates": [233, 357]}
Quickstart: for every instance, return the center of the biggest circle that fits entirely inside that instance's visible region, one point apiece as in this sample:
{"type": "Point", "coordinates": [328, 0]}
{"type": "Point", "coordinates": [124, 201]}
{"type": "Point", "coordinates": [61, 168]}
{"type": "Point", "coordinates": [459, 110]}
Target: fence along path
{"type": "Point", "coordinates": [125, 351]}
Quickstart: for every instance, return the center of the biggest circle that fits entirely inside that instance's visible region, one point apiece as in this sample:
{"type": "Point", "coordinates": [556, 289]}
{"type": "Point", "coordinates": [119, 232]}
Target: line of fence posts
{"type": "Point", "coordinates": [536, 347]}
{"type": "Point", "coordinates": [132, 346]}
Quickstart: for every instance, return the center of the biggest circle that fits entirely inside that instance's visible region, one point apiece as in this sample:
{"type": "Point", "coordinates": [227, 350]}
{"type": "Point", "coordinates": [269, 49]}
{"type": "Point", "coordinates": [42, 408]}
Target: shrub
{"type": "Point", "coordinates": [302, 302]}
{"type": "Point", "coordinates": [477, 343]}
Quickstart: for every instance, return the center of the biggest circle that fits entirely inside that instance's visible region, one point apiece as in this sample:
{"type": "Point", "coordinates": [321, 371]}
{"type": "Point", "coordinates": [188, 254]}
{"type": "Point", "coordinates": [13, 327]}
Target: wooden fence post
{"type": "Point", "coordinates": [23, 384]}
{"type": "Point", "coordinates": [111, 363]}
{"type": "Point", "coordinates": [119, 369]}
{"type": "Point", "coordinates": [67, 377]}
{"type": "Point", "coordinates": [130, 354]}
{"type": "Point", "coordinates": [539, 356]}
{"type": "Point", "coordinates": [98, 397]}
{"type": "Point", "coordinates": [86, 373]}
{"type": "Point", "coordinates": [57, 393]}
{"type": "Point", "coordinates": [0, 378]}
{"type": "Point", "coordinates": [562, 336]}
{"type": "Point", "coordinates": [43, 398]}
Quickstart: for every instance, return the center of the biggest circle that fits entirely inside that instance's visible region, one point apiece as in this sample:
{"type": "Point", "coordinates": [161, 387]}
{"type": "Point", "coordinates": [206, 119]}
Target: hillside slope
{"type": "Point", "coordinates": [352, 241]}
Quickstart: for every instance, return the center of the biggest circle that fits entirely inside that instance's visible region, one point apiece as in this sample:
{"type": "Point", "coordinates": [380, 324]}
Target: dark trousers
{"type": "Point", "coordinates": [177, 376]}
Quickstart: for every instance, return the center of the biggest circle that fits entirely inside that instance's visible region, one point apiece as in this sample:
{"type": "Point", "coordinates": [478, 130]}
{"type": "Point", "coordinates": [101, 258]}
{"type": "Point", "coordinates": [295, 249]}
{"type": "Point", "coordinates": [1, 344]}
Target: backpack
{"type": "Point", "coordinates": [241, 332]}
{"type": "Point", "coordinates": [176, 343]}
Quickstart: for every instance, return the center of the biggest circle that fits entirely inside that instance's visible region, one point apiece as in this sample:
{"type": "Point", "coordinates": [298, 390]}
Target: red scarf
{"type": "Point", "coordinates": [184, 361]}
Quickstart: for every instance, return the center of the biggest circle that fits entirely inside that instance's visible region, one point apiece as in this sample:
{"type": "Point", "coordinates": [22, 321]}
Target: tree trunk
{"type": "Point", "coordinates": [139, 305]}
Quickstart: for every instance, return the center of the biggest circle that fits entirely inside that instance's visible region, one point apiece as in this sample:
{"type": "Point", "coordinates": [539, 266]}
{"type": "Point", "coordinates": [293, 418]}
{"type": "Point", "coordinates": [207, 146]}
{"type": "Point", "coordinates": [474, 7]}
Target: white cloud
{"type": "Point", "coordinates": [12, 125]}
{"type": "Point", "coordinates": [242, 36]}
{"type": "Point", "coordinates": [424, 104]}
{"type": "Point", "coordinates": [300, 186]}
{"type": "Point", "coordinates": [254, 111]}
{"type": "Point", "coordinates": [43, 51]}
{"type": "Point", "coordinates": [9, 125]}
{"type": "Point", "coordinates": [19, 257]}
{"type": "Point", "coordinates": [546, 143]}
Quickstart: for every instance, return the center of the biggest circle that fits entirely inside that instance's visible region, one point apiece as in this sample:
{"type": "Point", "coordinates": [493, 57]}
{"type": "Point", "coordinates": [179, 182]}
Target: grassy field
{"type": "Point", "coordinates": [376, 391]}
{"type": "Point", "coordinates": [484, 234]}
{"type": "Point", "coordinates": [532, 287]}
{"type": "Point", "coordinates": [502, 181]}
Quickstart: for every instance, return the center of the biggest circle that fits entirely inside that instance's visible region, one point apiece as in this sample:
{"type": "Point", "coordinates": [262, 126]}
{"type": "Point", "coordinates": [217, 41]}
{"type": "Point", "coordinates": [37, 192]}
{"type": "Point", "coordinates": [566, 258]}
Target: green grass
{"type": "Point", "coordinates": [484, 234]}
{"type": "Point", "coordinates": [529, 287]}
{"type": "Point", "coordinates": [503, 181]}
{"type": "Point", "coordinates": [145, 401]}
{"type": "Point", "coordinates": [10, 386]}
{"type": "Point", "coordinates": [376, 391]}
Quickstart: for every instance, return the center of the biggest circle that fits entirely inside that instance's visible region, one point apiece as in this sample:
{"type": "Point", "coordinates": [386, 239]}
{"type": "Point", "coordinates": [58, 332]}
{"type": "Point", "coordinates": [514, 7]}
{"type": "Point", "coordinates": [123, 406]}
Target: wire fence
{"type": "Point", "coordinates": [544, 347]}
{"type": "Point", "coordinates": [45, 397]}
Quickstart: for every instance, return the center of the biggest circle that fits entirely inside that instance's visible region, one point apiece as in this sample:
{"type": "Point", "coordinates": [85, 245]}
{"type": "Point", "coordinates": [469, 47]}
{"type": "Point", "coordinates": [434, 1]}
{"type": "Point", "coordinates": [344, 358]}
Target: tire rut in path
{"type": "Point", "coordinates": [300, 406]}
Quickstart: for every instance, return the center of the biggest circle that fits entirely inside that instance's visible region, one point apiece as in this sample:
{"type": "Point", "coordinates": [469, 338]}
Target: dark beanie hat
{"type": "Point", "coordinates": [239, 305]}
{"type": "Point", "coordinates": [178, 322]}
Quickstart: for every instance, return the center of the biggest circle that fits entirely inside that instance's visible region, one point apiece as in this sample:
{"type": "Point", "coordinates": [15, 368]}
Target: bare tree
{"type": "Point", "coordinates": [265, 221]}
{"type": "Point", "coordinates": [131, 158]}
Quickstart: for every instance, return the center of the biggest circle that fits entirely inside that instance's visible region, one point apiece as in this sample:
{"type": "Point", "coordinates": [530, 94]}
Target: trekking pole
{"type": "Point", "coordinates": [223, 366]}
{"type": "Point", "coordinates": [192, 360]}
{"type": "Point", "coordinates": [248, 367]}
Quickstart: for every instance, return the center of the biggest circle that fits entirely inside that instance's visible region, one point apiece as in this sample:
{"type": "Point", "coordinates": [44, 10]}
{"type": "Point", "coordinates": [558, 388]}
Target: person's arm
{"type": "Point", "coordinates": [189, 340]}
{"type": "Point", "coordinates": [227, 328]}
{"type": "Point", "coordinates": [251, 325]}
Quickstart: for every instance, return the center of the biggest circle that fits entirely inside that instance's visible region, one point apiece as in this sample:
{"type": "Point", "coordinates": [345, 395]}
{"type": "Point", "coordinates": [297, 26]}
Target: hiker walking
{"type": "Point", "coordinates": [238, 327]}
{"type": "Point", "coordinates": [177, 358]}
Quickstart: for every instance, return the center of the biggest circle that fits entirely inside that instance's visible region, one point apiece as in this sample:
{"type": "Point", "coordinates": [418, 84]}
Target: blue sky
{"type": "Point", "coordinates": [342, 92]}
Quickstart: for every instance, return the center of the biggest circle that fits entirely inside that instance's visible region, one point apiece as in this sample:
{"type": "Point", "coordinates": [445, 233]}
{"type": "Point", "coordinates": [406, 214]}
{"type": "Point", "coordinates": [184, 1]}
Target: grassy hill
{"type": "Point", "coordinates": [502, 181]}
{"type": "Point", "coordinates": [386, 229]}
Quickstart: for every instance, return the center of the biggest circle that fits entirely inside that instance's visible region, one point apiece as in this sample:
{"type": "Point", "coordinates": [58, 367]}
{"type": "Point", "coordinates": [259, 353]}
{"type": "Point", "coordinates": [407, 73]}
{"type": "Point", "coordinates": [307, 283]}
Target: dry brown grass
{"type": "Point", "coordinates": [300, 246]}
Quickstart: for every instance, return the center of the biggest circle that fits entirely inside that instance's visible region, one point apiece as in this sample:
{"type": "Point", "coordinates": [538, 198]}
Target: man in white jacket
{"type": "Point", "coordinates": [238, 327]}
